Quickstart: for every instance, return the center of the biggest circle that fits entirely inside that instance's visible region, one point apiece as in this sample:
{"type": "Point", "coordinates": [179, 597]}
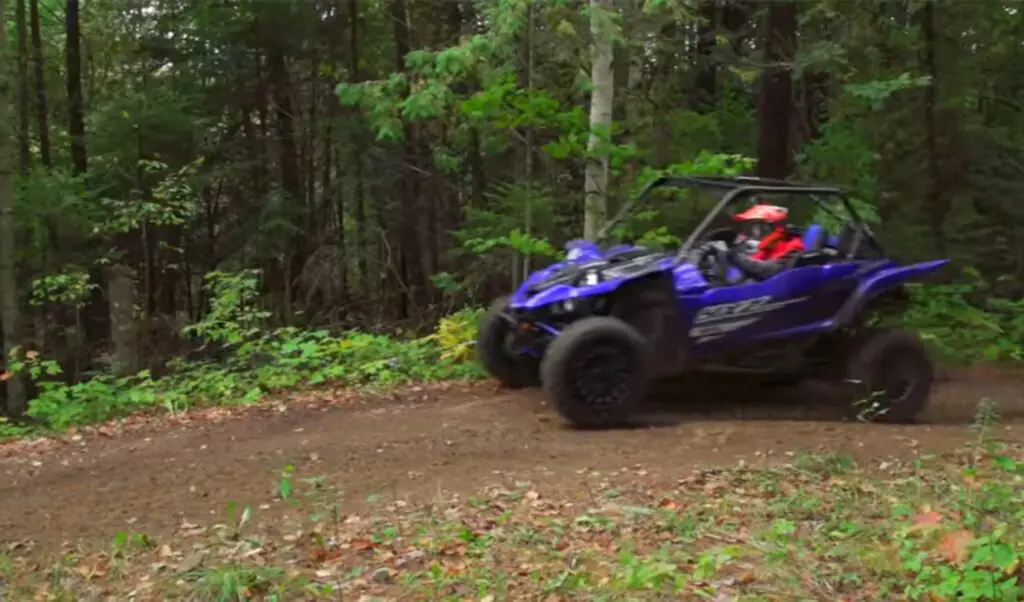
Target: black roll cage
{"type": "Point", "coordinates": [739, 187]}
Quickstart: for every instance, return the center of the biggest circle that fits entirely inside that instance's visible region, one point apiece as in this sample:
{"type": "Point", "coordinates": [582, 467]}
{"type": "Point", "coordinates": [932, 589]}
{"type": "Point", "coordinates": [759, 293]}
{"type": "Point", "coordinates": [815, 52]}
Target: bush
{"type": "Point", "coordinates": [964, 322]}
{"type": "Point", "coordinates": [252, 363]}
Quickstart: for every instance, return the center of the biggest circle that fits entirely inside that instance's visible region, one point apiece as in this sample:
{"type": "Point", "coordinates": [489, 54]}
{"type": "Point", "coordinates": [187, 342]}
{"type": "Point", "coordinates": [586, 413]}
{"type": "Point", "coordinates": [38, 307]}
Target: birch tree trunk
{"type": "Point", "coordinates": [8, 284]}
{"type": "Point", "coordinates": [603, 79]}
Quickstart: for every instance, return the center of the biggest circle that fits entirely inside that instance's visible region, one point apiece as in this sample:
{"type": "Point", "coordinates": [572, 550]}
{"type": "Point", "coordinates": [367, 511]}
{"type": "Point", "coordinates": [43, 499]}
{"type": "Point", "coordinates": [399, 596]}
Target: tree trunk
{"type": "Point", "coordinates": [123, 328]}
{"type": "Point", "coordinates": [331, 183]}
{"type": "Point", "coordinates": [9, 315]}
{"type": "Point", "coordinates": [363, 229]}
{"type": "Point", "coordinates": [24, 157]}
{"type": "Point", "coordinates": [937, 201]}
{"type": "Point", "coordinates": [702, 97]}
{"type": "Point", "coordinates": [526, 81]}
{"type": "Point", "coordinates": [76, 105]}
{"type": "Point", "coordinates": [97, 318]}
{"type": "Point", "coordinates": [405, 241]}
{"type": "Point", "coordinates": [288, 160]}
{"type": "Point", "coordinates": [39, 77]}
{"type": "Point", "coordinates": [661, 152]}
{"type": "Point", "coordinates": [775, 99]}
{"type": "Point", "coordinates": [601, 104]}
{"type": "Point", "coordinates": [816, 97]}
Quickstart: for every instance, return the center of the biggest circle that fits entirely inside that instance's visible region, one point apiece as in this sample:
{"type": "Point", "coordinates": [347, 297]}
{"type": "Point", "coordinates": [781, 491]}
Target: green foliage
{"type": "Point", "coordinates": [172, 201]}
{"type": "Point", "coordinates": [877, 93]}
{"type": "Point", "coordinates": [251, 362]}
{"type": "Point", "coordinates": [494, 236]}
{"type": "Point", "coordinates": [69, 287]}
{"type": "Point", "coordinates": [670, 213]}
{"type": "Point", "coordinates": [977, 533]}
{"type": "Point", "coordinates": [516, 240]}
{"type": "Point", "coordinates": [234, 315]}
{"type": "Point", "coordinates": [964, 322]}
{"type": "Point", "coordinates": [456, 335]}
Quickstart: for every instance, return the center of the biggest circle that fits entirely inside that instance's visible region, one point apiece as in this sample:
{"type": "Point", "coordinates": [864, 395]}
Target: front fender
{"type": "Point", "coordinates": [880, 282]}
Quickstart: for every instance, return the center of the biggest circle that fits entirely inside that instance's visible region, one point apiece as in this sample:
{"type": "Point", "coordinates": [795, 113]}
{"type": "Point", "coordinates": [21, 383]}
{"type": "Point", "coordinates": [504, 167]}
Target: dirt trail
{"type": "Point", "coordinates": [459, 442]}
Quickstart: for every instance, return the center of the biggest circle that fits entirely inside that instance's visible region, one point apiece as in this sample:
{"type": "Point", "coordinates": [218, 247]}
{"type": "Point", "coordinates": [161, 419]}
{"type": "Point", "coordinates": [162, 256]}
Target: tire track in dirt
{"type": "Point", "coordinates": [459, 443]}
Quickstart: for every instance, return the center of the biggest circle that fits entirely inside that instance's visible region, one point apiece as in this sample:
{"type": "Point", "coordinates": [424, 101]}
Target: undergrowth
{"type": "Point", "coordinates": [965, 322]}
{"type": "Point", "coordinates": [247, 362]}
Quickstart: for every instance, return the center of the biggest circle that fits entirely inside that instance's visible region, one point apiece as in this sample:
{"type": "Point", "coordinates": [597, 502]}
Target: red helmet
{"type": "Point", "coordinates": [773, 214]}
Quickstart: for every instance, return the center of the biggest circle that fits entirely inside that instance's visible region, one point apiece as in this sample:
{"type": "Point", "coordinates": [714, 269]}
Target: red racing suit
{"type": "Point", "coordinates": [777, 245]}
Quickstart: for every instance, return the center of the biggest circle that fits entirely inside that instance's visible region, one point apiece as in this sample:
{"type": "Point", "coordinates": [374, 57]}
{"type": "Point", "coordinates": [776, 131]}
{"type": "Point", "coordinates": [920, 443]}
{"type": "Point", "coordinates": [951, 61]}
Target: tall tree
{"type": "Point", "coordinates": [775, 99]}
{"type": "Point", "coordinates": [288, 152]}
{"type": "Point", "coordinates": [76, 103]}
{"type": "Point", "coordinates": [938, 205]}
{"type": "Point", "coordinates": [9, 314]}
{"type": "Point", "coordinates": [39, 82]}
{"type": "Point", "coordinates": [24, 158]}
{"type": "Point", "coordinates": [97, 317]}
{"type": "Point", "coordinates": [602, 96]}
{"type": "Point", "coordinates": [364, 233]}
{"type": "Point", "coordinates": [405, 230]}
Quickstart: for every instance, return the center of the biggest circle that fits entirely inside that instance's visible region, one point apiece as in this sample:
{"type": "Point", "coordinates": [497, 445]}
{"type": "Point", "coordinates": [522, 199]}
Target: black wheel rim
{"type": "Point", "coordinates": [602, 375]}
{"type": "Point", "coordinates": [896, 380]}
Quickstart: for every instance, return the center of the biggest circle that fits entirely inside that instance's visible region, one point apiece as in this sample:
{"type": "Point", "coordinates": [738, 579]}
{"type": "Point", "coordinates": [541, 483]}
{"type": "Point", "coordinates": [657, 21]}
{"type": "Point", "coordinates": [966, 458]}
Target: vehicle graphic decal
{"type": "Point", "coordinates": [716, 320]}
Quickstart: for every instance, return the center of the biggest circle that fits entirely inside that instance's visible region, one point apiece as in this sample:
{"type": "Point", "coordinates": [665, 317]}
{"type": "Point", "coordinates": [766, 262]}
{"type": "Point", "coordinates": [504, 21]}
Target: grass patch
{"type": "Point", "coordinates": [820, 528]}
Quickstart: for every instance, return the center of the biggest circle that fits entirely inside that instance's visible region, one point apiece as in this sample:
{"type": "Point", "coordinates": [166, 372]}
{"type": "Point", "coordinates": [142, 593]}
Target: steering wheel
{"type": "Point", "coordinates": [711, 258]}
{"type": "Point", "coordinates": [726, 235]}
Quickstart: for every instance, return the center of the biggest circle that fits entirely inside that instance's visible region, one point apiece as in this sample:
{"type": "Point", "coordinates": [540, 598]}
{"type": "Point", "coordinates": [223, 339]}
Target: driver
{"type": "Point", "coordinates": [773, 250]}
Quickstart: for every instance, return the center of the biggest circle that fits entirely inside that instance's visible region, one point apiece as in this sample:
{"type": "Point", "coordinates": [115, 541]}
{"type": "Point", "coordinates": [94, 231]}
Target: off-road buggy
{"type": "Point", "coordinates": [598, 327]}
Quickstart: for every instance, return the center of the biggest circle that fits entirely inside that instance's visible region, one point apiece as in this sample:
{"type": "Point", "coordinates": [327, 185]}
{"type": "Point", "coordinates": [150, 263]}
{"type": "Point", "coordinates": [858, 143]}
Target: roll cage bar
{"type": "Point", "coordinates": [738, 187]}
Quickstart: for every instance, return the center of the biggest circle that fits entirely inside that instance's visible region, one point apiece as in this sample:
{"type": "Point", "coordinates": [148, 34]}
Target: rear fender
{"type": "Point", "coordinates": [880, 283]}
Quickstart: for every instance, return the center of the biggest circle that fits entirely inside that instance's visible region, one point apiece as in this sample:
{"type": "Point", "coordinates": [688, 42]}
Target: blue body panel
{"type": "Point", "coordinates": [797, 302]}
{"type": "Point", "coordinates": [581, 253]}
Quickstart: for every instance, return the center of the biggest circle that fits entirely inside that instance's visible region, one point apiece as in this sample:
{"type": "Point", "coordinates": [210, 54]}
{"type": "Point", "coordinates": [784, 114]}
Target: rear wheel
{"type": "Point", "coordinates": [891, 373]}
{"type": "Point", "coordinates": [595, 372]}
{"type": "Point", "coordinates": [492, 350]}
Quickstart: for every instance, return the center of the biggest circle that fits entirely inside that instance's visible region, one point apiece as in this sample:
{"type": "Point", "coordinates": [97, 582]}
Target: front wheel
{"type": "Point", "coordinates": [595, 372]}
{"type": "Point", "coordinates": [892, 374]}
{"type": "Point", "coordinates": [492, 350]}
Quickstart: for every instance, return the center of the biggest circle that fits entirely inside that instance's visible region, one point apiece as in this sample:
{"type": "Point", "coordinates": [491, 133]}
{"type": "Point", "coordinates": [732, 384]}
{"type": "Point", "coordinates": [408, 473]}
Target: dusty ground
{"type": "Point", "coordinates": [427, 443]}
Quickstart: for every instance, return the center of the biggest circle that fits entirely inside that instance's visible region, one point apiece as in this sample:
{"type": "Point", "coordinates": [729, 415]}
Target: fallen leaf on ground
{"type": "Point", "coordinates": [955, 545]}
{"type": "Point", "coordinates": [928, 518]}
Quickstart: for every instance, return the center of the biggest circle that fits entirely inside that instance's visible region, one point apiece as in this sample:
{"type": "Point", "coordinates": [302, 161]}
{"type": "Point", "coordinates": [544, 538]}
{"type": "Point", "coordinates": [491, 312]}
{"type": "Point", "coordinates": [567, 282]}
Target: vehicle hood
{"type": "Point", "coordinates": [566, 279]}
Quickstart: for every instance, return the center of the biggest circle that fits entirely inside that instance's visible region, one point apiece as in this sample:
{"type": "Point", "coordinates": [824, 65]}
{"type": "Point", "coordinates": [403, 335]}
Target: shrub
{"type": "Point", "coordinates": [962, 322]}
{"type": "Point", "coordinates": [252, 363]}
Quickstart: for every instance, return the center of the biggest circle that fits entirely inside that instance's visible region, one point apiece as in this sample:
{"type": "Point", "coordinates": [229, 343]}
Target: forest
{"type": "Point", "coordinates": [200, 197]}
{"type": "Point", "coordinates": [245, 246]}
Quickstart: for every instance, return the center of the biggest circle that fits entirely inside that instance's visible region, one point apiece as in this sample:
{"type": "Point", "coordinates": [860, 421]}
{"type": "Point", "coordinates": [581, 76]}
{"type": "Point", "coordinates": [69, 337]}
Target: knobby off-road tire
{"type": "Point", "coordinates": [595, 372]}
{"type": "Point", "coordinates": [890, 368]}
{"type": "Point", "coordinates": [491, 351]}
